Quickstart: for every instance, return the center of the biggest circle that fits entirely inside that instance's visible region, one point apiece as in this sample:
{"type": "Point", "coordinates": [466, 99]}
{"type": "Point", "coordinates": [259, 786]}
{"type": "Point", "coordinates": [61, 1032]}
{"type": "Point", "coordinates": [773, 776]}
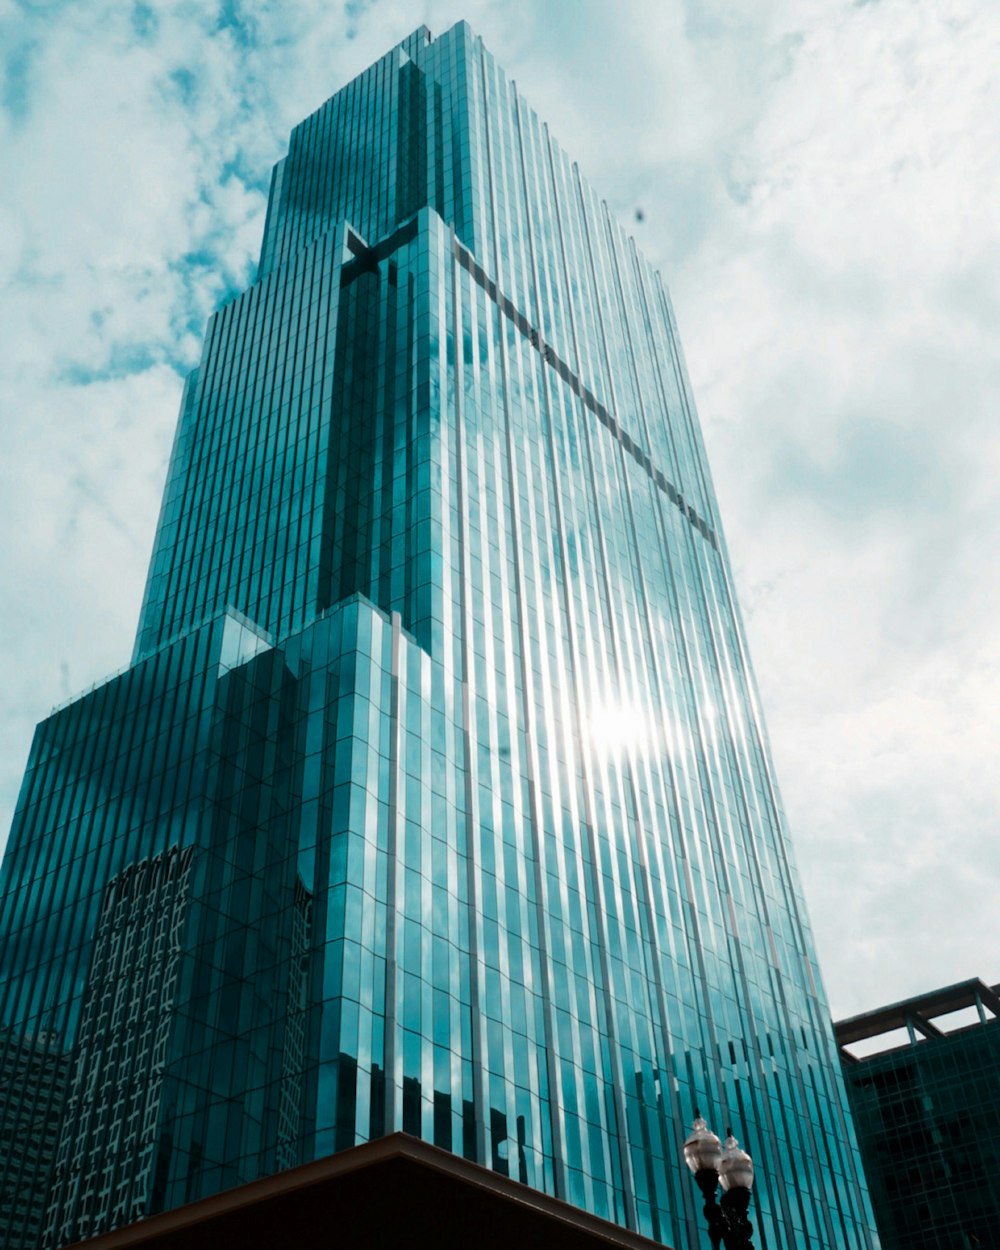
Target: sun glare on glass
{"type": "Point", "coordinates": [613, 728]}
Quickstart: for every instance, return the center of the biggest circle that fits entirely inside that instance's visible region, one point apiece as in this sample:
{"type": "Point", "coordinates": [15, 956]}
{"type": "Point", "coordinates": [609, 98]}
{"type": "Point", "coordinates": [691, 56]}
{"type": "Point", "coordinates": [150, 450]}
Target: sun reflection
{"type": "Point", "coordinates": [613, 728]}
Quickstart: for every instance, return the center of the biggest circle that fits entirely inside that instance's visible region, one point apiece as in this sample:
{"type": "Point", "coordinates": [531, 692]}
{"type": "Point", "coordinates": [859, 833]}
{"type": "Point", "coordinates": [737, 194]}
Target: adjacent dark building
{"type": "Point", "coordinates": [926, 1108]}
{"type": "Point", "coordinates": [33, 1075]}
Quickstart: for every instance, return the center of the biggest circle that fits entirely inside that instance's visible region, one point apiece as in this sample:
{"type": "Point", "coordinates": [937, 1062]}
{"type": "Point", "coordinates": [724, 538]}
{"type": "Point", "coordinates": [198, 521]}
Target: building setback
{"type": "Point", "coordinates": [440, 717]}
{"type": "Point", "coordinates": [926, 1105]}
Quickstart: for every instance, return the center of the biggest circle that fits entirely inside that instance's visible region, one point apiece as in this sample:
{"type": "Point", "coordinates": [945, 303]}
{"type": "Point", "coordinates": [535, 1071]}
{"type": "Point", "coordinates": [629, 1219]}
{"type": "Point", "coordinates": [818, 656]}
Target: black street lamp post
{"type": "Point", "coordinates": [715, 1164]}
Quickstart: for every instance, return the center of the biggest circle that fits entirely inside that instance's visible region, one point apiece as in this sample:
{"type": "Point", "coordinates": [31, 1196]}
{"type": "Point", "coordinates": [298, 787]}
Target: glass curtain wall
{"type": "Point", "coordinates": [437, 796]}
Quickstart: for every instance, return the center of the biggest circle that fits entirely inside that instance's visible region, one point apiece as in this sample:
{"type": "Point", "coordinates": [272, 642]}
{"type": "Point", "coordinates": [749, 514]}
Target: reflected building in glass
{"type": "Point", "coordinates": [436, 797]}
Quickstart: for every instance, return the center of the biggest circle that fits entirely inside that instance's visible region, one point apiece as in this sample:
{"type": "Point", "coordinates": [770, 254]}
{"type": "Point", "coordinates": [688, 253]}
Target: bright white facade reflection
{"type": "Point", "coordinates": [614, 729]}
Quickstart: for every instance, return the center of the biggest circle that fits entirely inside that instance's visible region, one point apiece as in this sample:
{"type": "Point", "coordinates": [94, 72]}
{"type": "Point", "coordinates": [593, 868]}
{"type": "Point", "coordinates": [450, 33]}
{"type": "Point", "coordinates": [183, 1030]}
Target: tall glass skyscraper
{"type": "Point", "coordinates": [436, 796]}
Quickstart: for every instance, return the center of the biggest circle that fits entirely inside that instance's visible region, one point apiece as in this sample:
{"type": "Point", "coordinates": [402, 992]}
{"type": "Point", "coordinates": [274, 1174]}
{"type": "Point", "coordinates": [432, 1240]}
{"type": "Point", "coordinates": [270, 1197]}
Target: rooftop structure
{"type": "Point", "coordinates": [923, 1078]}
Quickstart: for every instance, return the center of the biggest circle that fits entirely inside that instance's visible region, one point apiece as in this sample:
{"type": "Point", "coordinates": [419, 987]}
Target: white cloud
{"type": "Point", "coordinates": [113, 182]}
{"type": "Point", "coordinates": [847, 365]}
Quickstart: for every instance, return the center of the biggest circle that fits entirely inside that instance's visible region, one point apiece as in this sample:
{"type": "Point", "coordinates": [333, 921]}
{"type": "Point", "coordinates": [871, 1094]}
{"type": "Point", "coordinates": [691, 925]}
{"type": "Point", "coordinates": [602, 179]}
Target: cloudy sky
{"type": "Point", "coordinates": [820, 184]}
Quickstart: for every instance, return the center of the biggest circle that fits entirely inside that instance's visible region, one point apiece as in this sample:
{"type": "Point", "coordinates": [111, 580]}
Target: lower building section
{"type": "Point", "coordinates": [926, 1104]}
{"type": "Point", "coordinates": [259, 910]}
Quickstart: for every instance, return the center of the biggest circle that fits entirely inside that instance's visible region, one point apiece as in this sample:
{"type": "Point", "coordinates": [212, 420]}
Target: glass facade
{"type": "Point", "coordinates": [436, 797]}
